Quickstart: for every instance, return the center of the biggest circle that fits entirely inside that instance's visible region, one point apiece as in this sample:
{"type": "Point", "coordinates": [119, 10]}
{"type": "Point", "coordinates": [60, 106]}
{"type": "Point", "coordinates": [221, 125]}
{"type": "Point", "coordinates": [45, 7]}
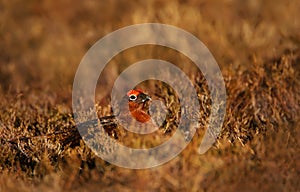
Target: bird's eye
{"type": "Point", "coordinates": [132, 97]}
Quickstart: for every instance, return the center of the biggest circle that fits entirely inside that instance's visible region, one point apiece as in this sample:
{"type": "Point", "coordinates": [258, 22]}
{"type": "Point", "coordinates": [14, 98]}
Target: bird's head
{"type": "Point", "coordinates": [137, 96]}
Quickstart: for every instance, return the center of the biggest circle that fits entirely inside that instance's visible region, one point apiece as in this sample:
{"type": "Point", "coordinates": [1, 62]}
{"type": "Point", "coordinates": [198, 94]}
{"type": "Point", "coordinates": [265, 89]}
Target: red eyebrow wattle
{"type": "Point", "coordinates": [134, 92]}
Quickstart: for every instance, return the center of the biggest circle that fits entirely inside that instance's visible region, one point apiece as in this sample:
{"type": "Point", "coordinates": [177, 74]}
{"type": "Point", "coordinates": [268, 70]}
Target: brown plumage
{"type": "Point", "coordinates": [137, 102]}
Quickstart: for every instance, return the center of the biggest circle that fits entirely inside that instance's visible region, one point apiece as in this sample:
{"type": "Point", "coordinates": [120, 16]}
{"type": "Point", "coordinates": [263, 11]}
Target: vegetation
{"type": "Point", "coordinates": [255, 43]}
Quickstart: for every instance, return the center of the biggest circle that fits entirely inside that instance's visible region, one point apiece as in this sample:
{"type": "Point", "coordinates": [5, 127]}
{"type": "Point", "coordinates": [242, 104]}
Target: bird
{"type": "Point", "coordinates": [134, 105]}
{"type": "Point", "coordinates": [136, 100]}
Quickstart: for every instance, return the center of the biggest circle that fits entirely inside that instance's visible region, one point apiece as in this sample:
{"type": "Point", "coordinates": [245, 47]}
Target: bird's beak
{"type": "Point", "coordinates": [147, 98]}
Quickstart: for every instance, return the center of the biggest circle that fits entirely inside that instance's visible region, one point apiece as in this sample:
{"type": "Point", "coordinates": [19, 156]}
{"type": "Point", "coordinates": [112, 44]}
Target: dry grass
{"type": "Point", "coordinates": [255, 43]}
